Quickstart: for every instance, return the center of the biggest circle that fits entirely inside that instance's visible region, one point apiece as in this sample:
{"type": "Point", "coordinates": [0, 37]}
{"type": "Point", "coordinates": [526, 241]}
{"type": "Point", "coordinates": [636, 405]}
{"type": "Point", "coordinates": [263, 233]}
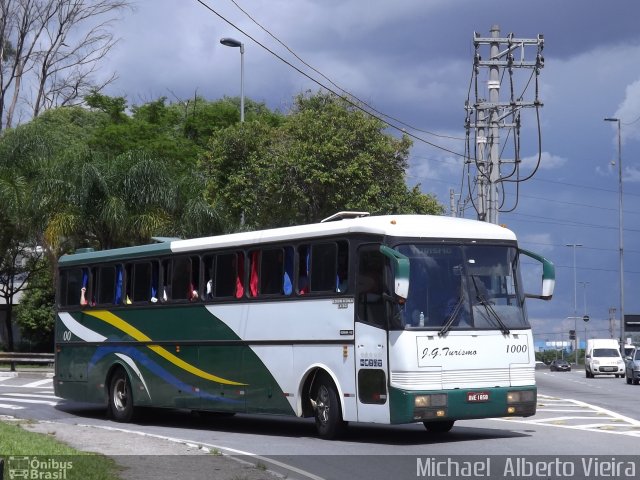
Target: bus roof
{"type": "Point", "coordinates": [416, 226]}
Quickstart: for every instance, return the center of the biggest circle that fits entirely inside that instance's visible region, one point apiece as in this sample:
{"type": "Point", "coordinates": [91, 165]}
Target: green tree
{"type": "Point", "coordinates": [36, 313]}
{"type": "Point", "coordinates": [325, 156]}
{"type": "Point", "coordinates": [19, 239]}
{"type": "Point", "coordinates": [112, 202]}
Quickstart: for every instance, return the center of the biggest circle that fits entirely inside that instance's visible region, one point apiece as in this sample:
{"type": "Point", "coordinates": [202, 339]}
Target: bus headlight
{"type": "Point", "coordinates": [521, 396]}
{"type": "Point", "coordinates": [430, 406]}
{"type": "Point", "coordinates": [435, 400]}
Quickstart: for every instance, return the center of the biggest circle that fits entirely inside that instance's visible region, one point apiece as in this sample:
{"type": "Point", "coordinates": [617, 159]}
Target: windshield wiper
{"type": "Point", "coordinates": [456, 310]}
{"type": "Point", "coordinates": [487, 306]}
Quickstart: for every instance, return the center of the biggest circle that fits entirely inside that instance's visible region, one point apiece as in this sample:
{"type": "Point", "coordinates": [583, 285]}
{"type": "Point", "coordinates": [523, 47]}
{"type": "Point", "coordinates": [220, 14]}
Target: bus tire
{"type": "Point", "coordinates": [121, 397]}
{"type": "Point", "coordinates": [439, 426]}
{"type": "Point", "coordinates": [328, 414]}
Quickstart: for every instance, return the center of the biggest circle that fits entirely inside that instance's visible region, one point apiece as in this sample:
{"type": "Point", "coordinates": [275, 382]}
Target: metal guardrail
{"type": "Point", "coordinates": [27, 358]}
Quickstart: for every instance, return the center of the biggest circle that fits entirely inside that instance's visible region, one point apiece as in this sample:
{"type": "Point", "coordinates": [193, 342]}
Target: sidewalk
{"type": "Point", "coordinates": [141, 456]}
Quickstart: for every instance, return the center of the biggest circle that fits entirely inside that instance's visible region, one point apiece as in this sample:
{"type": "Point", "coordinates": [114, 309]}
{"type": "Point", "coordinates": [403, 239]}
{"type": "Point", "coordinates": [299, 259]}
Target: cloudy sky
{"type": "Point", "coordinates": [412, 59]}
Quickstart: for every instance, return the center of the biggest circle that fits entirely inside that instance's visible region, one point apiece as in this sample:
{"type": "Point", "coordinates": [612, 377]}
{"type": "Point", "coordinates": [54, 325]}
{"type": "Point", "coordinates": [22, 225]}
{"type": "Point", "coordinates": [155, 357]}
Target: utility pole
{"type": "Point", "coordinates": [612, 313]}
{"type": "Point", "coordinates": [488, 117]}
{"type": "Point", "coordinates": [453, 209]}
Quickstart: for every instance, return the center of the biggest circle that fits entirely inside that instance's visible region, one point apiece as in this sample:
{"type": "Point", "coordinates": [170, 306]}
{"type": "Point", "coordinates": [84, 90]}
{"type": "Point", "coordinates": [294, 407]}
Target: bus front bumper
{"type": "Point", "coordinates": [458, 404]}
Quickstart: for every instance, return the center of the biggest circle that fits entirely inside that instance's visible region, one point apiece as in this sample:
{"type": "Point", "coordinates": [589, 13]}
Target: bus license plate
{"type": "Point", "coordinates": [476, 397]}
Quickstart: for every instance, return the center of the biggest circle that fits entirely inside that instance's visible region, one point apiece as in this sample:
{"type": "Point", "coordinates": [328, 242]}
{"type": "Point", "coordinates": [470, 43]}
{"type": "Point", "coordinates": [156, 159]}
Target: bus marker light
{"type": "Point", "coordinates": [345, 351]}
{"type": "Point", "coordinates": [177, 348]}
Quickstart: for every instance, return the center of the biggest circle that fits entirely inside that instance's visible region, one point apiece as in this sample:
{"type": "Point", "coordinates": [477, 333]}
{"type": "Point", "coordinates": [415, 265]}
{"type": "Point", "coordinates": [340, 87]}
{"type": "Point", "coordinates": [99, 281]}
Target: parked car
{"type": "Point", "coordinates": [632, 367]}
{"type": "Point", "coordinates": [560, 366]}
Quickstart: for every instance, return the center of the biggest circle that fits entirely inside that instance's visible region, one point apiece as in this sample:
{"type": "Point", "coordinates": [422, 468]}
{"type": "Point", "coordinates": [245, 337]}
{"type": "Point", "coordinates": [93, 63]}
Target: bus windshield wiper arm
{"type": "Point", "coordinates": [487, 306]}
{"type": "Point", "coordinates": [456, 309]}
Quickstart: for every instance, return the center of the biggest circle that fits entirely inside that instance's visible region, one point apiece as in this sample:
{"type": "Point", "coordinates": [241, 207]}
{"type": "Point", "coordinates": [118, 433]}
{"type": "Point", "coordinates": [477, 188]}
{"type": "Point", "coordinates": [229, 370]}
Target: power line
{"type": "Point", "coordinates": [317, 82]}
{"type": "Point", "coordinates": [589, 187]}
{"type": "Point", "coordinates": [547, 199]}
{"type": "Point", "coordinates": [546, 244]}
{"type": "Point", "coordinates": [338, 86]}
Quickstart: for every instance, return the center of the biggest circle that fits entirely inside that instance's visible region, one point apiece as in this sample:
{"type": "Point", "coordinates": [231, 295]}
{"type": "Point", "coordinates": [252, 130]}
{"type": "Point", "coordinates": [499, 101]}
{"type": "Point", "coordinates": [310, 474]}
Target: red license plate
{"type": "Point", "coordinates": [476, 397]}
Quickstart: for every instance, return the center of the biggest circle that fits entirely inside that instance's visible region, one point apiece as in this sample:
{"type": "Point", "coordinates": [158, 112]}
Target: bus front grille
{"type": "Point", "coordinates": [437, 379]}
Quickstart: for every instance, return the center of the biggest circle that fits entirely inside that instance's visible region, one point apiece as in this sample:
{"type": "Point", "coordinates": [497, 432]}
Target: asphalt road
{"type": "Point", "coordinates": [576, 416]}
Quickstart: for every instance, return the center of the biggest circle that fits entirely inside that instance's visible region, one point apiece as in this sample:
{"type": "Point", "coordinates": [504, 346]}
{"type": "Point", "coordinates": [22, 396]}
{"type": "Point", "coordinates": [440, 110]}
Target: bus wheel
{"type": "Point", "coordinates": [328, 414]}
{"type": "Point", "coordinates": [120, 397]}
{"type": "Point", "coordinates": [438, 427]}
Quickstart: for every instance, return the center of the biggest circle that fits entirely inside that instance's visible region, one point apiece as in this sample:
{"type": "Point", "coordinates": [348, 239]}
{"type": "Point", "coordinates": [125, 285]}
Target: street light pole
{"type": "Point", "coordinates": [620, 230]}
{"type": "Point", "coordinates": [575, 298]}
{"type": "Point", "coordinates": [230, 42]}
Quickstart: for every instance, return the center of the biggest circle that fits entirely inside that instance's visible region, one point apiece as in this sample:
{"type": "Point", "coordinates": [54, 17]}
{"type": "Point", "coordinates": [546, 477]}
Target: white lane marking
{"type": "Point", "coordinates": [11, 407]}
{"type": "Point", "coordinates": [632, 421]}
{"type": "Point", "coordinates": [39, 383]}
{"type": "Point", "coordinates": [618, 424]}
{"type": "Point", "coordinates": [44, 389]}
{"type": "Point", "coordinates": [211, 446]}
{"type": "Point", "coordinates": [25, 400]}
{"type": "Point", "coordinates": [30, 395]}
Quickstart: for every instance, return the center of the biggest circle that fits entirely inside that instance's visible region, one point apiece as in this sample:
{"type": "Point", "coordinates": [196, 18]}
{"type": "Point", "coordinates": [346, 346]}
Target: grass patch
{"type": "Point", "coordinates": [16, 442]}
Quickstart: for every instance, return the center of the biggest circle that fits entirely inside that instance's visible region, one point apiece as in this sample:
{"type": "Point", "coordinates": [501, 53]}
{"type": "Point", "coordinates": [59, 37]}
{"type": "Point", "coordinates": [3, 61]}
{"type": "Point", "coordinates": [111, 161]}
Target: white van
{"type": "Point", "coordinates": [603, 357]}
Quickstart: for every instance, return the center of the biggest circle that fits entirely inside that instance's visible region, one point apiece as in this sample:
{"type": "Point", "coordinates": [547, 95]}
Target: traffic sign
{"type": "Point", "coordinates": [585, 318]}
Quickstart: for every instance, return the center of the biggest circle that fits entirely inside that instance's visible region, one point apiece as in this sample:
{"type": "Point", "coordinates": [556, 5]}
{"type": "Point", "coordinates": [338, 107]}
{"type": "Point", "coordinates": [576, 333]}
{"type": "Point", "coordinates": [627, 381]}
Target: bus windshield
{"type": "Point", "coordinates": [461, 287]}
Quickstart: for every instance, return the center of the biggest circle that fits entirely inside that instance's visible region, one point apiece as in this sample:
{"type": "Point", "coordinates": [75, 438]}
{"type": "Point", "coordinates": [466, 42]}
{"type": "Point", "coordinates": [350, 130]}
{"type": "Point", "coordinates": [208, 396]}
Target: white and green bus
{"type": "Point", "coordinates": [383, 319]}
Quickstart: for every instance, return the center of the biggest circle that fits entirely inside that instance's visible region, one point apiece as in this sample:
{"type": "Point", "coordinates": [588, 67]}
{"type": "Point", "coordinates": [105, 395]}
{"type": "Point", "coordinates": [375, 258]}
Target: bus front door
{"type": "Point", "coordinates": [371, 337]}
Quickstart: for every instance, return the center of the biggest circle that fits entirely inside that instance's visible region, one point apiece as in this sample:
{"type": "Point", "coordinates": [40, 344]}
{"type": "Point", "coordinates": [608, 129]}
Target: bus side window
{"type": "Point", "coordinates": [342, 278]}
{"type": "Point", "coordinates": [370, 287]}
{"type": "Point", "coordinates": [141, 282]}
{"type": "Point", "coordinates": [323, 267]}
{"type": "Point", "coordinates": [239, 275]}
{"type": "Point", "coordinates": [209, 262]}
{"type": "Point", "coordinates": [254, 256]}
{"type": "Point", "coordinates": [229, 275]}
{"type": "Point", "coordinates": [287, 282]}
{"type": "Point", "coordinates": [128, 290]}
{"type": "Point", "coordinates": [106, 284]}
{"type": "Point", "coordinates": [165, 292]}
{"type": "Point", "coordinates": [181, 279]}
{"type": "Point", "coordinates": [155, 281]}
{"type": "Point", "coordinates": [303, 269]}
{"type": "Point", "coordinates": [271, 272]}
{"type": "Point", "coordinates": [71, 287]}
{"type": "Point", "coordinates": [84, 290]}
{"type": "Point", "coordinates": [93, 282]}
{"type": "Point", "coordinates": [117, 298]}
{"type": "Point", "coordinates": [194, 284]}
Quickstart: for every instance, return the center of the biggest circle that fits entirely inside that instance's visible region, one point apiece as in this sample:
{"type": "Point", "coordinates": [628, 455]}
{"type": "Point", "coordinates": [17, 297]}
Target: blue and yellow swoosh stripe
{"type": "Point", "coordinates": [136, 334]}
